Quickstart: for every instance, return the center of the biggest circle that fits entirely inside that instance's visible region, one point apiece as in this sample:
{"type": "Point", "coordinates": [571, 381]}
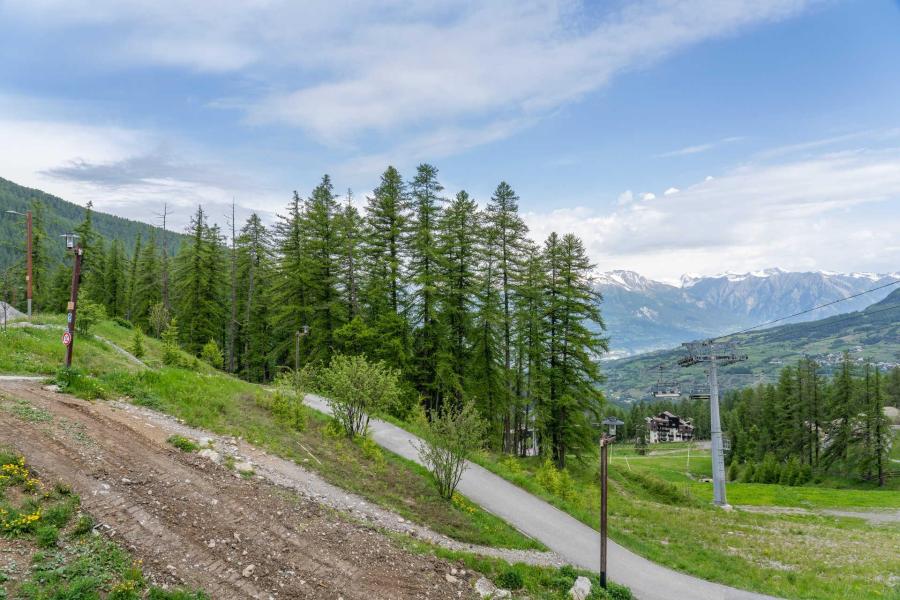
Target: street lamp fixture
{"type": "Point", "coordinates": [70, 240]}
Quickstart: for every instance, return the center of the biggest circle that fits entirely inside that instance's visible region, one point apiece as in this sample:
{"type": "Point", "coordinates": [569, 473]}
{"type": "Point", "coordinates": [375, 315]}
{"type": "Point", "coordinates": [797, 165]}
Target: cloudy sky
{"type": "Point", "coordinates": [672, 135]}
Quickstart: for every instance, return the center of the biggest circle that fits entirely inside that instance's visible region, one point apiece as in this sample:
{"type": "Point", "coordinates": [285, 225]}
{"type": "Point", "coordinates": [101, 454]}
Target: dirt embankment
{"type": "Point", "coordinates": [198, 524]}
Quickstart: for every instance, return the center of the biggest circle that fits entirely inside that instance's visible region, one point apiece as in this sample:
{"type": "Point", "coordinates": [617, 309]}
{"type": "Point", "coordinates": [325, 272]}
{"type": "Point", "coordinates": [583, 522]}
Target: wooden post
{"type": "Point", "coordinates": [28, 265]}
{"type": "Point", "coordinates": [604, 448]}
{"type": "Point", "coordinates": [71, 309]}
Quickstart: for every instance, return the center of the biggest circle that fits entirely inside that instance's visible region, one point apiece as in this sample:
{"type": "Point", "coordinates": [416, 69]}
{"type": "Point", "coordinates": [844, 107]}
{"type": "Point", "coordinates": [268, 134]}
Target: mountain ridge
{"type": "Point", "coordinates": [644, 315]}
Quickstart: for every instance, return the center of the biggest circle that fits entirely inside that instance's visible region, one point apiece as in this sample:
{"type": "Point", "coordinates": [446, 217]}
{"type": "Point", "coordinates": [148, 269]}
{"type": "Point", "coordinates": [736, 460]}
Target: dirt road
{"type": "Point", "coordinates": [198, 524]}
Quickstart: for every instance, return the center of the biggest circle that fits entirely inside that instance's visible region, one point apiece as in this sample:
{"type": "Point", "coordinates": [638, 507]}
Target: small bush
{"type": "Point", "coordinates": [171, 349]}
{"type": "Point", "coordinates": [183, 444]}
{"type": "Point", "coordinates": [734, 471]}
{"type": "Point", "coordinates": [748, 475]}
{"type": "Point", "coordinates": [356, 389]}
{"type": "Point", "coordinates": [287, 406]}
{"type": "Point", "coordinates": [137, 343]}
{"type": "Point", "coordinates": [212, 355]}
{"type": "Point", "coordinates": [46, 536]}
{"type": "Point", "coordinates": [122, 322]}
{"type": "Point", "coordinates": [547, 477]}
{"type": "Point", "coordinates": [453, 435]}
{"type": "Point", "coordinates": [84, 525]}
{"type": "Point", "coordinates": [510, 580]}
{"type": "Point", "coordinates": [74, 381]}
{"type": "Point", "coordinates": [88, 315]}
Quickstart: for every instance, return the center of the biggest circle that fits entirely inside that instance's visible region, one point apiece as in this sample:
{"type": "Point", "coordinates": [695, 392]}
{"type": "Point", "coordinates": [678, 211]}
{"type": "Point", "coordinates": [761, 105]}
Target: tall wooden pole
{"type": "Point", "coordinates": [28, 264]}
{"type": "Point", "coordinates": [604, 449]}
{"type": "Point", "coordinates": [73, 305]}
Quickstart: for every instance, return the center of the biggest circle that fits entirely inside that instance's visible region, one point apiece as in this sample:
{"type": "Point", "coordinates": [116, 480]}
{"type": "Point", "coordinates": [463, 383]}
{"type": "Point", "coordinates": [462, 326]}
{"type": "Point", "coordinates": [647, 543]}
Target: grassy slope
{"type": "Point", "coordinates": [793, 556]}
{"type": "Point", "coordinates": [212, 400]}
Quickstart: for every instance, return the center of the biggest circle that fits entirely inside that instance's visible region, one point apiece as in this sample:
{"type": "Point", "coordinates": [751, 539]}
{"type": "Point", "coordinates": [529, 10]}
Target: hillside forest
{"type": "Point", "coordinates": [456, 299]}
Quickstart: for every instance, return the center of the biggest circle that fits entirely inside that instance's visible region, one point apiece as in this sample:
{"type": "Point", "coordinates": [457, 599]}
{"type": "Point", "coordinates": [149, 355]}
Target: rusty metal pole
{"type": "Point", "coordinates": [73, 305]}
{"type": "Point", "coordinates": [604, 448]}
{"type": "Point", "coordinates": [28, 266]}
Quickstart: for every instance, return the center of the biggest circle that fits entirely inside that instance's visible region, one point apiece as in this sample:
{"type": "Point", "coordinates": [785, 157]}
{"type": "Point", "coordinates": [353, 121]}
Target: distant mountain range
{"type": "Point", "coordinates": [643, 315]}
{"type": "Point", "coordinates": [872, 333]}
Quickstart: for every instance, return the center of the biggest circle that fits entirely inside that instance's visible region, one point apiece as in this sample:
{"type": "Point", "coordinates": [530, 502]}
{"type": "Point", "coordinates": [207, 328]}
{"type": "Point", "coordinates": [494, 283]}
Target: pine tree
{"type": "Point", "coordinates": [383, 297]}
{"type": "Point", "coordinates": [146, 282]}
{"type": "Point", "coordinates": [350, 225]}
{"type": "Point", "coordinates": [290, 311]}
{"type": "Point", "coordinates": [116, 289]}
{"type": "Point", "coordinates": [423, 280]}
{"type": "Point", "coordinates": [841, 415]}
{"type": "Point", "coordinates": [530, 334]}
{"type": "Point", "coordinates": [574, 400]}
{"type": "Point", "coordinates": [254, 276]}
{"type": "Point", "coordinates": [509, 233]}
{"type": "Point", "coordinates": [198, 285]}
{"type": "Point", "coordinates": [881, 432]}
{"type": "Point", "coordinates": [321, 267]}
{"type": "Point", "coordinates": [458, 238]}
{"type": "Point", "coordinates": [132, 279]}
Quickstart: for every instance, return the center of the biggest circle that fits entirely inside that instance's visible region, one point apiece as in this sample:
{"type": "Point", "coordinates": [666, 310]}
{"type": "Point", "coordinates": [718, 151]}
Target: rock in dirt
{"type": "Point", "coordinates": [248, 570]}
{"type": "Point", "coordinates": [244, 467]}
{"type": "Point", "coordinates": [489, 591]}
{"type": "Point", "coordinates": [581, 589]}
{"type": "Point", "coordinates": [210, 454]}
{"type": "Point", "coordinates": [450, 578]}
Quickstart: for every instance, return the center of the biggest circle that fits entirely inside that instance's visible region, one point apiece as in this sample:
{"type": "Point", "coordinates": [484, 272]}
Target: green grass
{"type": "Point", "coordinates": [183, 444]}
{"type": "Point", "coordinates": [210, 399]}
{"type": "Point", "coordinates": [39, 520]}
{"type": "Point", "coordinates": [658, 511]}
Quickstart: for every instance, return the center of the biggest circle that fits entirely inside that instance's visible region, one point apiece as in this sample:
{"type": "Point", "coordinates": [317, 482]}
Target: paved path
{"type": "Point", "coordinates": [565, 535]}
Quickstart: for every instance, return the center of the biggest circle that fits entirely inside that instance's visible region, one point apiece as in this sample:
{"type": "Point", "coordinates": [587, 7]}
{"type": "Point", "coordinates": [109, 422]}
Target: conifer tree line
{"type": "Point", "coordinates": [807, 424]}
{"type": "Point", "coordinates": [456, 298]}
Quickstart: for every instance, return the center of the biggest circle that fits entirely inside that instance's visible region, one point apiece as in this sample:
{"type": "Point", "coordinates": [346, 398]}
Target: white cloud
{"type": "Point", "coordinates": [128, 172]}
{"type": "Point", "coordinates": [340, 70]}
{"type": "Point", "coordinates": [833, 211]}
{"type": "Point", "coordinates": [647, 196]}
{"type": "Point", "coordinates": [698, 148]}
{"type": "Point", "coordinates": [670, 191]}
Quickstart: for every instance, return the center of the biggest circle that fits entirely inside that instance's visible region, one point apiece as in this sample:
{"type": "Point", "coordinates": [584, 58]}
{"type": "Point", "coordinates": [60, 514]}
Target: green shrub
{"type": "Point", "coordinates": [171, 349]}
{"type": "Point", "coordinates": [748, 475]}
{"type": "Point", "coordinates": [547, 476]}
{"type": "Point", "coordinates": [510, 580]}
{"type": "Point", "coordinates": [84, 525]}
{"type": "Point", "coordinates": [660, 490]}
{"type": "Point", "coordinates": [137, 343]}
{"type": "Point", "coordinates": [183, 444]}
{"type": "Point", "coordinates": [46, 536]}
{"type": "Point", "coordinates": [357, 389]}
{"type": "Point", "coordinates": [287, 406]}
{"type": "Point", "coordinates": [74, 381]}
{"type": "Point", "coordinates": [734, 471]}
{"type": "Point", "coordinates": [88, 315]}
{"type": "Point", "coordinates": [212, 355]}
{"type": "Point", "coordinates": [123, 322]}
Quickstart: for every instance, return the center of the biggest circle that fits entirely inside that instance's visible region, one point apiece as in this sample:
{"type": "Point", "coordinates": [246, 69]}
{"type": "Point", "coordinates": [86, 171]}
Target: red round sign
{"type": "Point", "coordinates": [67, 338]}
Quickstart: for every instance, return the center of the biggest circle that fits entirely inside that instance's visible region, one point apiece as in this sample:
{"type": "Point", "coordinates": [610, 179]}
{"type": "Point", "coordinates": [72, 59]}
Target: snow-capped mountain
{"type": "Point", "coordinates": [642, 314]}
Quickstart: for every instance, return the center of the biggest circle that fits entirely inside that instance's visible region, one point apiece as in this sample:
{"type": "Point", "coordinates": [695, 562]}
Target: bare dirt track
{"type": "Point", "coordinates": [195, 523]}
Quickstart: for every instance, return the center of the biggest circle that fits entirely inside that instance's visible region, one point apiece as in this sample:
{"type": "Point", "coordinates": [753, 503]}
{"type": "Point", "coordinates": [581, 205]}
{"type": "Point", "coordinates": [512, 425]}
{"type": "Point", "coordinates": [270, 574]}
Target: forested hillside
{"type": "Point", "coordinates": [872, 333]}
{"type": "Point", "coordinates": [457, 300]}
{"type": "Point", "coordinates": [56, 216]}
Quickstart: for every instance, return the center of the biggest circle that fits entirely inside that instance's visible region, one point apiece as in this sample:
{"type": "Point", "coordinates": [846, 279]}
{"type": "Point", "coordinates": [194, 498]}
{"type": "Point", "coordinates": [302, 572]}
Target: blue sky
{"type": "Point", "coordinates": [774, 125]}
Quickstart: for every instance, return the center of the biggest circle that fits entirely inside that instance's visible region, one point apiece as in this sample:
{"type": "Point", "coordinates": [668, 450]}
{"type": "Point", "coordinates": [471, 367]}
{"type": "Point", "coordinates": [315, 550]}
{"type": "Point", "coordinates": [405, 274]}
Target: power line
{"type": "Point", "coordinates": [809, 310]}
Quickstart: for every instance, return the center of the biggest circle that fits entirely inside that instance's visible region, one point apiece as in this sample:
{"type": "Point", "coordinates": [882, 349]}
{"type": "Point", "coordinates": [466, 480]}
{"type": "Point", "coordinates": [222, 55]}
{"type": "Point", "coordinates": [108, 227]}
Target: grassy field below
{"type": "Point", "coordinates": [659, 509]}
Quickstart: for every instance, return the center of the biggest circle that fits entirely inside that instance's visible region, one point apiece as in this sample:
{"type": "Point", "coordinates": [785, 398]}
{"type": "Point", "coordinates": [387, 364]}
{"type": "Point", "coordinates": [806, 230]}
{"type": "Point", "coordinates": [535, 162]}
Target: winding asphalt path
{"type": "Point", "coordinates": [565, 535]}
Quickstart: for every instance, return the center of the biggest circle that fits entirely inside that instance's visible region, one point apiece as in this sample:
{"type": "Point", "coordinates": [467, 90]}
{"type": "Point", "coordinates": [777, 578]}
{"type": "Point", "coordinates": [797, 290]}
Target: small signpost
{"type": "Point", "coordinates": [71, 308]}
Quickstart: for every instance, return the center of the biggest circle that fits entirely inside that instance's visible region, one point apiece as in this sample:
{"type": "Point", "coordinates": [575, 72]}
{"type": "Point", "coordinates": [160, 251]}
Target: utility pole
{"type": "Point", "coordinates": [714, 354]}
{"type": "Point", "coordinates": [605, 441]}
{"type": "Point", "coordinates": [604, 458]}
{"type": "Point", "coordinates": [29, 279]}
{"type": "Point", "coordinates": [72, 307]}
